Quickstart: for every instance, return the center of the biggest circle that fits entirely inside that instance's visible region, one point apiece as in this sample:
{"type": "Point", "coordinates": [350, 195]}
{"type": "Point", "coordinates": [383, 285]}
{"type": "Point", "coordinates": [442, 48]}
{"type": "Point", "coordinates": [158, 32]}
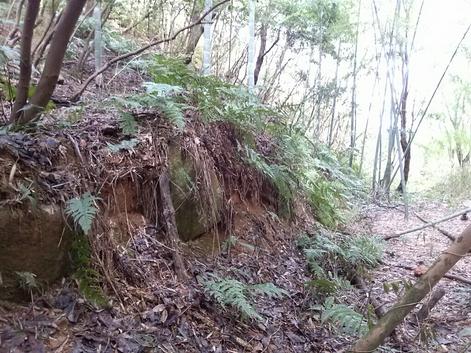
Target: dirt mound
{"type": "Point", "coordinates": [94, 155]}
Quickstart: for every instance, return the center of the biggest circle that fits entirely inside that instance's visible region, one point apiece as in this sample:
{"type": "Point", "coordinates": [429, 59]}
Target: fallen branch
{"type": "Point", "coordinates": [452, 277]}
{"type": "Point", "coordinates": [430, 224]}
{"type": "Point", "coordinates": [413, 295]}
{"type": "Point", "coordinates": [441, 230]}
{"type": "Point", "coordinates": [379, 308]}
{"type": "Point", "coordinates": [425, 310]}
{"type": "Point", "coordinates": [84, 86]}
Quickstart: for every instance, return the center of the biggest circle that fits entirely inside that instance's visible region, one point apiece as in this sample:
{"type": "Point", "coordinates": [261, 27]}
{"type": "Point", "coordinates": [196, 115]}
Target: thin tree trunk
{"type": "Point", "coordinates": [425, 310]}
{"type": "Point", "coordinates": [54, 60]}
{"type": "Point", "coordinates": [261, 52]}
{"type": "Point", "coordinates": [22, 88]}
{"type": "Point", "coordinates": [10, 39]}
{"type": "Point", "coordinates": [42, 48]}
{"type": "Point", "coordinates": [251, 49]}
{"type": "Point", "coordinates": [385, 326]}
{"type": "Point", "coordinates": [208, 38]}
{"type": "Point", "coordinates": [336, 92]}
{"type": "Point", "coordinates": [46, 31]}
{"type": "Point", "coordinates": [429, 224]}
{"type": "Point", "coordinates": [353, 117]}
{"type": "Point", "coordinates": [84, 86]}
{"type": "Point", "coordinates": [98, 43]}
{"type": "Point", "coordinates": [194, 34]}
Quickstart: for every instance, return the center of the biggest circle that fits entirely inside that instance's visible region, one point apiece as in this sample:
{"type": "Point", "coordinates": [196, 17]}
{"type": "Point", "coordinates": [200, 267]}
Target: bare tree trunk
{"type": "Point", "coordinates": [22, 88]}
{"type": "Point", "coordinates": [208, 38]}
{"type": "Point", "coordinates": [353, 118]}
{"type": "Point", "coordinates": [45, 42]}
{"type": "Point", "coordinates": [261, 52]}
{"type": "Point", "coordinates": [251, 48]}
{"type": "Point", "coordinates": [195, 33]}
{"type": "Point", "coordinates": [98, 43]}
{"type": "Point", "coordinates": [336, 93]}
{"type": "Point", "coordinates": [11, 36]}
{"type": "Point", "coordinates": [376, 336]}
{"type": "Point", "coordinates": [54, 60]}
{"type": "Point", "coordinates": [47, 30]}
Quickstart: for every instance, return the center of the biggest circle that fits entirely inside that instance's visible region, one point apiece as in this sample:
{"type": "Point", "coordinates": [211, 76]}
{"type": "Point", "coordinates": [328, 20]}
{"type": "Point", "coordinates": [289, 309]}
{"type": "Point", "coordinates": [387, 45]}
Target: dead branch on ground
{"type": "Point", "coordinates": [430, 224]}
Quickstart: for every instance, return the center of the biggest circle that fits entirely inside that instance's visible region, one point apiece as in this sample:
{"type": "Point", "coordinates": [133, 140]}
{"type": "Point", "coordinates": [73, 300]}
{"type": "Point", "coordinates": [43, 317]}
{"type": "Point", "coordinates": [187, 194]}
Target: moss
{"type": "Point", "coordinates": [89, 280]}
{"type": "Point", "coordinates": [189, 215]}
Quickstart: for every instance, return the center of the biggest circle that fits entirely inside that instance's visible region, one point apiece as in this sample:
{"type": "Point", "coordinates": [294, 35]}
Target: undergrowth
{"type": "Point", "coordinates": [334, 262]}
{"type": "Point", "coordinates": [297, 167]}
{"type": "Point", "coordinates": [239, 296]}
{"type": "Point", "coordinates": [454, 188]}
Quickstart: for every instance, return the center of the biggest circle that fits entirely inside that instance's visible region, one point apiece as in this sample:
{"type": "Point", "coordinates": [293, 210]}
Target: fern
{"type": "Point", "coordinates": [82, 210]}
{"type": "Point", "coordinates": [171, 110]}
{"type": "Point", "coordinates": [232, 292]}
{"type": "Point", "coordinates": [235, 294]}
{"type": "Point", "coordinates": [364, 250]}
{"type": "Point", "coordinates": [27, 280]}
{"type": "Point", "coordinates": [268, 289]}
{"type": "Point", "coordinates": [344, 318]}
{"type": "Point", "coordinates": [128, 124]}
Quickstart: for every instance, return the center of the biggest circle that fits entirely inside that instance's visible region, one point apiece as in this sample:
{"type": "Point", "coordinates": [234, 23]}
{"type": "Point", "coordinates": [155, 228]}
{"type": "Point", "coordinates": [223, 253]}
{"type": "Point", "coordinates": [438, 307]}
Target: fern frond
{"type": "Point", "coordinates": [127, 123]}
{"type": "Point", "coordinates": [232, 292]}
{"type": "Point", "coordinates": [364, 250]}
{"type": "Point", "coordinates": [27, 280]}
{"type": "Point", "coordinates": [82, 210]}
{"type": "Point", "coordinates": [344, 318]}
{"type": "Point", "coordinates": [171, 110]}
{"type": "Point", "coordinates": [268, 289]}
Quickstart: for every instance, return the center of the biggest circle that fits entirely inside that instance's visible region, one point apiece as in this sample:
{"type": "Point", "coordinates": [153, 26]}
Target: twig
{"type": "Point", "coordinates": [77, 94]}
{"type": "Point", "coordinates": [429, 224]}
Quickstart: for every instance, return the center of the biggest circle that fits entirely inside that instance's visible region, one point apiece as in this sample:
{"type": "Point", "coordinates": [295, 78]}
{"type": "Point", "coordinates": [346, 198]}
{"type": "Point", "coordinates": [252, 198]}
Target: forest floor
{"type": "Point", "coordinates": [447, 328]}
{"type": "Point", "coordinates": [159, 313]}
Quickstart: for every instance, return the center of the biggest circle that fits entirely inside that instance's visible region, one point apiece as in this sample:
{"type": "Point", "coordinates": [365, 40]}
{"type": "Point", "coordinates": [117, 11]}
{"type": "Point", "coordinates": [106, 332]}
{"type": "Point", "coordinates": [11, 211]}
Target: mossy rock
{"type": "Point", "coordinates": [192, 217]}
{"type": "Point", "coordinates": [33, 240]}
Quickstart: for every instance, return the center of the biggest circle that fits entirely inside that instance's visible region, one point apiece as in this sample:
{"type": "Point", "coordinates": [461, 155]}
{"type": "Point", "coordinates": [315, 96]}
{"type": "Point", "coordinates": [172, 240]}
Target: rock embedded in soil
{"type": "Point", "coordinates": [193, 217]}
{"type": "Point", "coordinates": [35, 240]}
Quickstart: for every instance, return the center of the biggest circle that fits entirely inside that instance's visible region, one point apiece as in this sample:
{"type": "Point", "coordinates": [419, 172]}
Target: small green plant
{"type": "Point", "coordinates": [88, 279]}
{"type": "Point", "coordinates": [27, 193]}
{"type": "Point", "coordinates": [127, 123]}
{"type": "Point", "coordinates": [27, 281]}
{"type": "Point", "coordinates": [126, 145]}
{"type": "Point", "coordinates": [231, 292]}
{"type": "Point", "coordinates": [344, 318]}
{"type": "Point", "coordinates": [83, 210]}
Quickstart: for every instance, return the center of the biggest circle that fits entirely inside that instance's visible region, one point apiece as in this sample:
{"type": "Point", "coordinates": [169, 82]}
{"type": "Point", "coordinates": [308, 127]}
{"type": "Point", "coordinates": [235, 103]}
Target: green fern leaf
{"type": "Point", "coordinates": [233, 293]}
{"type": "Point", "coordinates": [128, 124]}
{"type": "Point", "coordinates": [345, 318]}
{"type": "Point", "coordinates": [82, 210]}
{"type": "Point", "coordinates": [269, 290]}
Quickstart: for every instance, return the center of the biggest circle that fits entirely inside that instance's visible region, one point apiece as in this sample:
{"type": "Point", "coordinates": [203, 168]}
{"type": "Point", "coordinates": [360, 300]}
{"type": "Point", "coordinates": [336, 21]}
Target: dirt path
{"type": "Point", "coordinates": [453, 313]}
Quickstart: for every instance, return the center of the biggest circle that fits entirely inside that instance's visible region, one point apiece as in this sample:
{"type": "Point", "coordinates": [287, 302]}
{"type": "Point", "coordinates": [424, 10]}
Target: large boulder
{"type": "Point", "coordinates": [33, 240]}
{"type": "Point", "coordinates": [192, 214]}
